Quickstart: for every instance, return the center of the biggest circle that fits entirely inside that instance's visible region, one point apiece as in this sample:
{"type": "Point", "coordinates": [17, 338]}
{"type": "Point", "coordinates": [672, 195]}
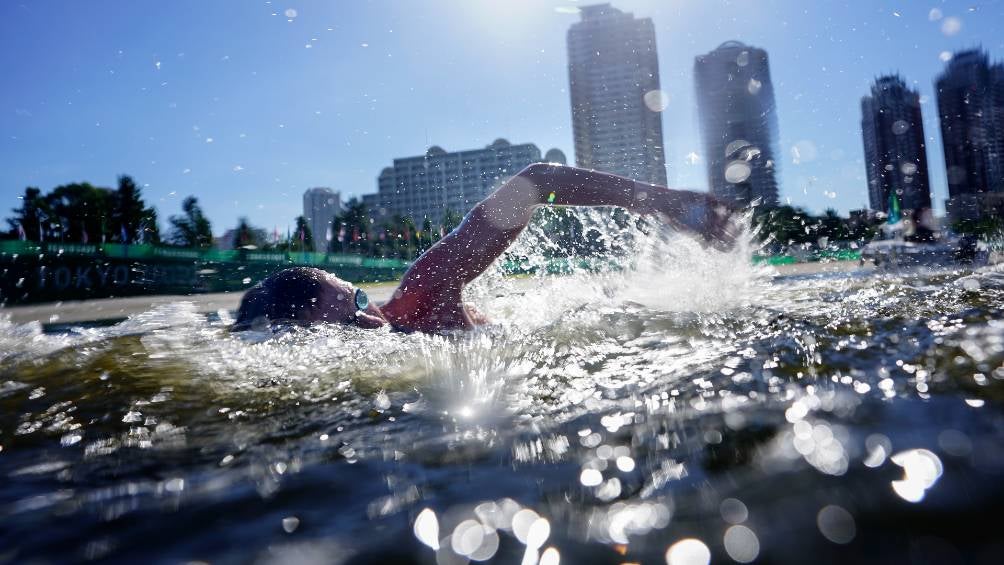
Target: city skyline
{"type": "Point", "coordinates": [220, 101]}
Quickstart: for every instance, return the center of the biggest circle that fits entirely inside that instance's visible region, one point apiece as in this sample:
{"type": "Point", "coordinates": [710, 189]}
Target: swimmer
{"type": "Point", "coordinates": [429, 297]}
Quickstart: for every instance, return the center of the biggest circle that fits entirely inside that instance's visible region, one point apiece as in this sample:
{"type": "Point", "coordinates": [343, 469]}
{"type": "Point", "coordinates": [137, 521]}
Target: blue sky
{"type": "Point", "coordinates": [247, 103]}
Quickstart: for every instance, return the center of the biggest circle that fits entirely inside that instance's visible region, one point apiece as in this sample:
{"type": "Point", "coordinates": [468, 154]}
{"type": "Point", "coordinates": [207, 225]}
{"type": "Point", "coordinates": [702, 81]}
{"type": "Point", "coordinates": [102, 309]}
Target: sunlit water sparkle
{"type": "Point", "coordinates": [692, 407]}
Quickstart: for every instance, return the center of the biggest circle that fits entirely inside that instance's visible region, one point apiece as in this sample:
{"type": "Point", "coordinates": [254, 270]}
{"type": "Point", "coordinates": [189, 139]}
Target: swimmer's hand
{"type": "Point", "coordinates": [696, 213]}
{"type": "Point", "coordinates": [715, 222]}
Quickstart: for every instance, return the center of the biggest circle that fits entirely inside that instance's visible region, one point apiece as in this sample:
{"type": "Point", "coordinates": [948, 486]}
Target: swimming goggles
{"type": "Point", "coordinates": [362, 301]}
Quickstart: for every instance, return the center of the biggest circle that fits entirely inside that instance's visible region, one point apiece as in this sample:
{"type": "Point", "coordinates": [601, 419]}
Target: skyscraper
{"type": "Point", "coordinates": [971, 108]}
{"type": "Point", "coordinates": [895, 154]}
{"type": "Point", "coordinates": [735, 105]}
{"type": "Point", "coordinates": [426, 186]}
{"type": "Point", "coordinates": [613, 75]}
{"type": "Point", "coordinates": [320, 206]}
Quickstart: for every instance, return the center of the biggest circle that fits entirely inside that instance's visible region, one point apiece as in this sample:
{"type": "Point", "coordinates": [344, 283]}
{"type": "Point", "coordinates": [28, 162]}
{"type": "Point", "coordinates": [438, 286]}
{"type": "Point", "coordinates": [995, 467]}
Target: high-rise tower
{"type": "Point", "coordinates": [895, 154]}
{"type": "Point", "coordinates": [735, 104]}
{"type": "Point", "coordinates": [320, 206]}
{"type": "Point", "coordinates": [971, 109]}
{"type": "Point", "coordinates": [613, 74]}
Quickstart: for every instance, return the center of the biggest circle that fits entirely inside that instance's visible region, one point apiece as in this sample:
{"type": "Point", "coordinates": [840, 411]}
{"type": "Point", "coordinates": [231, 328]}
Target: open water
{"type": "Point", "coordinates": [691, 409]}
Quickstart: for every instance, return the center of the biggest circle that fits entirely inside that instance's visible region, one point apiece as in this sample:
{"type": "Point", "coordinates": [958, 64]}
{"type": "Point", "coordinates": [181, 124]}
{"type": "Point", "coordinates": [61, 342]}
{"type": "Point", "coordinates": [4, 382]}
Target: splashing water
{"type": "Point", "coordinates": [660, 401]}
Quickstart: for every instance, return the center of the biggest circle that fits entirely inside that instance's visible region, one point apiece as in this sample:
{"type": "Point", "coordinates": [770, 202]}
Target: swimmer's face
{"type": "Point", "coordinates": [341, 305]}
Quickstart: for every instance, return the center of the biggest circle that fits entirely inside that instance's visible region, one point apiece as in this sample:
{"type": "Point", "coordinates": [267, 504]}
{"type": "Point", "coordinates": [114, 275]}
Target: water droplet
{"type": "Point", "coordinates": [836, 524]}
{"type": "Point", "coordinates": [656, 100]}
{"type": "Point", "coordinates": [733, 511]}
{"type": "Point", "coordinates": [174, 485]}
{"type": "Point", "coordinates": [427, 528]}
{"type": "Point", "coordinates": [741, 544]}
{"type": "Point", "coordinates": [290, 524]}
{"type": "Point", "coordinates": [590, 477]}
{"type": "Point", "coordinates": [737, 171]}
{"type": "Point", "coordinates": [625, 463]}
{"type": "Point", "coordinates": [381, 402]}
{"type": "Point", "coordinates": [951, 26]}
{"type": "Point", "coordinates": [467, 537]}
{"type": "Point", "coordinates": [688, 551]}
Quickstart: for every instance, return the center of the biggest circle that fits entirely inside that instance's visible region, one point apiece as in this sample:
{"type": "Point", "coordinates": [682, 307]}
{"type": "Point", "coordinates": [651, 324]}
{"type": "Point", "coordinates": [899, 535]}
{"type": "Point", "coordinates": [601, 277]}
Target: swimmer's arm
{"type": "Point", "coordinates": [696, 213]}
{"type": "Point", "coordinates": [439, 275]}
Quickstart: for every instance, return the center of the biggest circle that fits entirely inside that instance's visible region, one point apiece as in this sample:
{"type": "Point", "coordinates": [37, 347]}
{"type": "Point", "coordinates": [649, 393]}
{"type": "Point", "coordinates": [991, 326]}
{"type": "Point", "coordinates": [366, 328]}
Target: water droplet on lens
{"type": "Point", "coordinates": [688, 551]}
{"type": "Point", "coordinates": [737, 171]}
{"type": "Point", "coordinates": [733, 511]}
{"type": "Point", "coordinates": [426, 528]}
{"type": "Point", "coordinates": [951, 26]}
{"type": "Point", "coordinates": [836, 524]}
{"type": "Point", "coordinates": [590, 477]}
{"type": "Point", "coordinates": [656, 100]}
{"type": "Point", "coordinates": [741, 544]}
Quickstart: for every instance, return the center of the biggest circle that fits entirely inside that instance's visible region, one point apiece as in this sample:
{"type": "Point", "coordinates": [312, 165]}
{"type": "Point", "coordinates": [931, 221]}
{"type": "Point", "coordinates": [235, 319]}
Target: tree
{"type": "Point", "coordinates": [78, 212]}
{"type": "Point", "coordinates": [303, 239]}
{"type": "Point", "coordinates": [248, 236]}
{"type": "Point", "coordinates": [131, 217]}
{"type": "Point", "coordinates": [354, 219]}
{"type": "Point", "coordinates": [786, 225]}
{"type": "Point", "coordinates": [29, 216]}
{"type": "Point", "coordinates": [191, 229]}
{"type": "Point", "coordinates": [425, 236]}
{"type": "Point", "coordinates": [832, 226]}
{"type": "Point", "coordinates": [451, 220]}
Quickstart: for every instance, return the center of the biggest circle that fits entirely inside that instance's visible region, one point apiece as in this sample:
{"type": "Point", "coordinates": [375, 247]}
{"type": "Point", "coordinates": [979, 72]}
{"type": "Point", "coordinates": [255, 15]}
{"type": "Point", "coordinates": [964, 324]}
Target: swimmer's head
{"type": "Point", "coordinates": [304, 296]}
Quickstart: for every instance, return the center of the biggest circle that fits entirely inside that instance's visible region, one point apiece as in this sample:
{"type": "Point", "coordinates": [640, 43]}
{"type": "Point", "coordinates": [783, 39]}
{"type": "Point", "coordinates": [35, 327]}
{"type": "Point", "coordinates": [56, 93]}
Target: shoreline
{"type": "Point", "coordinates": [111, 310]}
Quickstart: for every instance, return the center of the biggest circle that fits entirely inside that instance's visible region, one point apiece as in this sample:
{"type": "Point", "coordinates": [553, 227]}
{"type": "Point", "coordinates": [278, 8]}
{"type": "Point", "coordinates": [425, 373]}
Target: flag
{"type": "Point", "coordinates": [407, 234]}
{"type": "Point", "coordinates": [383, 234]}
{"type": "Point", "coordinates": [301, 236]}
{"type": "Point", "coordinates": [894, 213]}
{"type": "Point", "coordinates": [83, 236]}
{"type": "Point", "coordinates": [327, 234]}
{"type": "Point", "coordinates": [123, 234]}
{"type": "Point", "coordinates": [442, 231]}
{"type": "Point", "coordinates": [355, 233]}
{"type": "Point", "coordinates": [21, 233]}
{"type": "Point", "coordinates": [341, 233]}
{"type": "Point", "coordinates": [275, 234]}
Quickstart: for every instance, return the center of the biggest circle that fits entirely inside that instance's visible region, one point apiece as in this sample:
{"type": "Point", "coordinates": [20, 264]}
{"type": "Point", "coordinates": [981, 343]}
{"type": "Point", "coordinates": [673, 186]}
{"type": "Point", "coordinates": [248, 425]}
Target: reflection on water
{"type": "Point", "coordinates": [693, 408]}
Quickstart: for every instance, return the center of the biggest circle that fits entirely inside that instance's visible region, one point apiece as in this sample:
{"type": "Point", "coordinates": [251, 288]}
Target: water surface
{"type": "Point", "coordinates": [693, 407]}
